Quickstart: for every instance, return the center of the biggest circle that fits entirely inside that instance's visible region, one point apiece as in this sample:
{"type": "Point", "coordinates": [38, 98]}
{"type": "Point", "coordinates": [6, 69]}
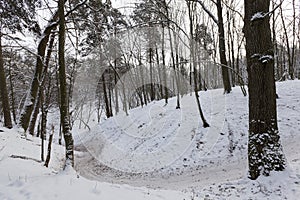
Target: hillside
{"type": "Point", "coordinates": [158, 152]}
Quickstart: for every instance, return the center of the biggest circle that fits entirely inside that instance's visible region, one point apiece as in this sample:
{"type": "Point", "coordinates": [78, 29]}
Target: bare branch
{"type": "Point", "coordinates": [206, 10]}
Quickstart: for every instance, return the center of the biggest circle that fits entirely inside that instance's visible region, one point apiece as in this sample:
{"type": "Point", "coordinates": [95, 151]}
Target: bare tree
{"type": "Point", "coordinates": [193, 63]}
{"type": "Point", "coordinates": [290, 49]}
{"type": "Point", "coordinates": [222, 47]}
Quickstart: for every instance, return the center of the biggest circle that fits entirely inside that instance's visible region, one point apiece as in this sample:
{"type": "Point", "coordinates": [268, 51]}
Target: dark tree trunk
{"type": "Point", "coordinates": [289, 53]}
{"type": "Point", "coordinates": [42, 139]}
{"type": "Point", "coordinates": [205, 124]}
{"type": "Point", "coordinates": [174, 66]}
{"type": "Point", "coordinates": [43, 125]}
{"type": "Point", "coordinates": [152, 93]}
{"type": "Point", "coordinates": [116, 88]}
{"type": "Point", "coordinates": [3, 91]}
{"type": "Point", "coordinates": [110, 96]}
{"type": "Point", "coordinates": [49, 147]}
{"type": "Point", "coordinates": [177, 79]}
{"type": "Point", "coordinates": [64, 109]}
{"type": "Point", "coordinates": [37, 103]}
{"type": "Point", "coordinates": [193, 64]}
{"type": "Point", "coordinates": [159, 73]}
{"type": "Point", "coordinates": [32, 94]}
{"type": "Point", "coordinates": [222, 50]}
{"type": "Point", "coordinates": [166, 92]}
{"type": "Point", "coordinates": [264, 149]}
{"type": "Point", "coordinates": [143, 87]}
{"type": "Point", "coordinates": [12, 95]}
{"type": "Point", "coordinates": [107, 107]}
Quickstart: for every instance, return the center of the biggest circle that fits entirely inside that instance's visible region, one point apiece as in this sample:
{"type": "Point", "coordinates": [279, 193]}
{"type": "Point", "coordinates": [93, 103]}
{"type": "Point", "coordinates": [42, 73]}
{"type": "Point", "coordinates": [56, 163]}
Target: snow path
{"type": "Point", "coordinates": [206, 161]}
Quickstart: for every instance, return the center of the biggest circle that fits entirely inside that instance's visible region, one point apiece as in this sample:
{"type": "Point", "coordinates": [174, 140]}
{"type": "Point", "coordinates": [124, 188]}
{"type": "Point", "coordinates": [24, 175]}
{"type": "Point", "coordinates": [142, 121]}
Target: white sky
{"type": "Point", "coordinates": [125, 6]}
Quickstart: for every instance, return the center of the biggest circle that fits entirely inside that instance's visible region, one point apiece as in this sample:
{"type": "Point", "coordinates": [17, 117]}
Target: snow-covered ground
{"type": "Point", "coordinates": [158, 152]}
{"type": "Point", "coordinates": [29, 179]}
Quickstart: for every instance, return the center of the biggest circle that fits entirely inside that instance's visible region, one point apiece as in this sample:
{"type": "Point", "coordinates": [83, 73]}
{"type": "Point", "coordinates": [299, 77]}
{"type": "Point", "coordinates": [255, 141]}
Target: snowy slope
{"type": "Point", "coordinates": [160, 147]}
{"type": "Point", "coordinates": [158, 152]}
{"type": "Point", "coordinates": [29, 179]}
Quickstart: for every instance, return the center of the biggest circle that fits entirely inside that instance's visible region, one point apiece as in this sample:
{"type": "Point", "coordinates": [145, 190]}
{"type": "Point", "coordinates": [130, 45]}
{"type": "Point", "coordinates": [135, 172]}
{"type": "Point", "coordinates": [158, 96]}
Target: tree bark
{"type": "Point", "coordinates": [3, 91]}
{"type": "Point", "coordinates": [32, 94]}
{"type": "Point", "coordinates": [166, 92]}
{"type": "Point", "coordinates": [107, 107]}
{"type": "Point", "coordinates": [41, 86]}
{"type": "Point", "coordinates": [264, 149]}
{"type": "Point", "coordinates": [290, 54]}
{"type": "Point", "coordinates": [43, 125]}
{"type": "Point", "coordinates": [222, 49]}
{"type": "Point", "coordinates": [12, 94]}
{"type": "Point", "coordinates": [64, 109]}
{"type": "Point", "coordinates": [193, 64]}
{"type": "Point", "coordinates": [49, 147]}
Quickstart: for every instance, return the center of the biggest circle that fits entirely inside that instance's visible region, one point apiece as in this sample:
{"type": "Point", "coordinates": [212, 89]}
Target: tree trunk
{"type": "Point", "coordinates": [159, 74]}
{"type": "Point", "coordinates": [3, 91]}
{"type": "Point", "coordinates": [43, 125]}
{"type": "Point", "coordinates": [152, 94]}
{"type": "Point", "coordinates": [193, 64]}
{"type": "Point", "coordinates": [107, 110]}
{"type": "Point", "coordinates": [174, 65]}
{"type": "Point", "coordinates": [32, 94]}
{"type": "Point", "coordinates": [64, 110]}
{"type": "Point", "coordinates": [116, 89]}
{"type": "Point", "coordinates": [37, 103]}
{"type": "Point", "coordinates": [12, 95]}
{"type": "Point", "coordinates": [264, 149]}
{"type": "Point", "coordinates": [222, 51]}
{"type": "Point", "coordinates": [49, 147]}
{"type": "Point", "coordinates": [42, 139]}
{"type": "Point", "coordinates": [166, 92]}
{"type": "Point", "coordinates": [110, 96]}
{"type": "Point", "coordinates": [289, 53]}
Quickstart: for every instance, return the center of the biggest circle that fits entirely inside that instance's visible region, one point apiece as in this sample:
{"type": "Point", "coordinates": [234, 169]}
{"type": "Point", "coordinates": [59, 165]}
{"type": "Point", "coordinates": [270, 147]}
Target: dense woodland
{"type": "Point", "coordinates": [92, 56]}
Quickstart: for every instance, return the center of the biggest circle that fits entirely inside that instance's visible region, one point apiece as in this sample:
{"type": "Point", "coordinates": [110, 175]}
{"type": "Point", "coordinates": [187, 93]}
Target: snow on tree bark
{"type": "Point", "coordinates": [32, 93]}
{"type": "Point", "coordinates": [41, 86]}
{"type": "Point", "coordinates": [64, 106]}
{"type": "Point", "coordinates": [264, 149]}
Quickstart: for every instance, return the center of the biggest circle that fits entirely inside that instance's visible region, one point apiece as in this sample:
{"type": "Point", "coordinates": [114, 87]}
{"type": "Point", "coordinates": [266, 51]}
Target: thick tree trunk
{"type": "Point", "coordinates": [222, 51]}
{"type": "Point", "coordinates": [3, 91]}
{"type": "Point", "coordinates": [64, 109]}
{"type": "Point", "coordinates": [264, 148]}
